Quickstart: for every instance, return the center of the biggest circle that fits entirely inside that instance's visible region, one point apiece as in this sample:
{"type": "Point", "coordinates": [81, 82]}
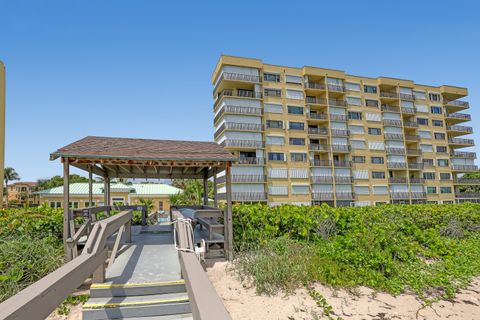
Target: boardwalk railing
{"type": "Point", "coordinates": [41, 298]}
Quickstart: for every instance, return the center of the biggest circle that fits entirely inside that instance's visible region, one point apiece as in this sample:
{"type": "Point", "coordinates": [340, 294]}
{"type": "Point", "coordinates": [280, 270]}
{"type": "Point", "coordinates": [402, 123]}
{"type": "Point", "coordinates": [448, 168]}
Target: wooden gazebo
{"type": "Point", "coordinates": [146, 158]}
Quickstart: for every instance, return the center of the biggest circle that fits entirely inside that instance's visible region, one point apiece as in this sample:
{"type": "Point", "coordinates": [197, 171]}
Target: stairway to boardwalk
{"type": "Point", "coordinates": [143, 283]}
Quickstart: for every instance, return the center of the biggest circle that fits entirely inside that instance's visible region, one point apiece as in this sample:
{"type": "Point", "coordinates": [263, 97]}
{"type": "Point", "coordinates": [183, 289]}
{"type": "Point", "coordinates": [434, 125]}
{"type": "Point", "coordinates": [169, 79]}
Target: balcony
{"type": "Point", "coordinates": [235, 126]}
{"type": "Point", "coordinates": [415, 166]}
{"type": "Point", "coordinates": [340, 148]}
{"type": "Point", "coordinates": [396, 165]}
{"type": "Point", "coordinates": [411, 137]}
{"type": "Point", "coordinates": [252, 111]}
{"type": "Point", "coordinates": [371, 103]}
{"type": "Point", "coordinates": [397, 180]}
{"type": "Point", "coordinates": [467, 181]}
{"type": "Point", "coordinates": [462, 154]}
{"type": "Point", "coordinates": [344, 195]}
{"type": "Point", "coordinates": [342, 164]}
{"type": "Point", "coordinates": [272, 93]}
{"type": "Point", "coordinates": [236, 143]}
{"type": "Point", "coordinates": [321, 163]}
{"type": "Point", "coordinates": [317, 116]}
{"type": "Point", "coordinates": [393, 136]}
{"type": "Point", "coordinates": [456, 105]}
{"type": "Point", "coordinates": [338, 117]}
{"type": "Point", "coordinates": [464, 167]}
{"type": "Point", "coordinates": [315, 100]}
{"type": "Point", "coordinates": [239, 77]}
{"type": "Point", "coordinates": [410, 124]}
{"type": "Point", "coordinates": [337, 103]}
{"type": "Point", "coordinates": [251, 160]}
{"type": "Point", "coordinates": [467, 195]}
{"type": "Point", "coordinates": [248, 178]}
{"type": "Point", "coordinates": [239, 93]}
{"type": "Point", "coordinates": [400, 195]}
{"type": "Point", "coordinates": [249, 196]}
{"type": "Point", "coordinates": [318, 131]}
{"type": "Point", "coordinates": [406, 96]}
{"type": "Point", "coordinates": [408, 110]}
{"type": "Point", "coordinates": [315, 86]}
{"type": "Point", "coordinates": [389, 95]}
{"type": "Point", "coordinates": [322, 195]}
{"type": "Point", "coordinates": [417, 180]}
{"type": "Point", "coordinates": [393, 123]}
{"type": "Point", "coordinates": [322, 179]}
{"type": "Point", "coordinates": [461, 142]}
{"type": "Point", "coordinates": [418, 195]}
{"type": "Point", "coordinates": [339, 132]}
{"type": "Point", "coordinates": [458, 117]}
{"type": "Point", "coordinates": [347, 180]}
{"type": "Point", "coordinates": [318, 147]}
{"type": "Point", "coordinates": [395, 150]}
{"type": "Point", "coordinates": [388, 108]}
{"type": "Point", "coordinates": [460, 129]}
{"type": "Point", "coordinates": [336, 88]}
{"type": "Point", "coordinates": [414, 152]}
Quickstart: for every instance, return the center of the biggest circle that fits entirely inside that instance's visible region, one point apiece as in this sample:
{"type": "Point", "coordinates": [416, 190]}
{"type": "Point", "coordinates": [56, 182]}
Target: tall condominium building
{"type": "Point", "coordinates": [312, 135]}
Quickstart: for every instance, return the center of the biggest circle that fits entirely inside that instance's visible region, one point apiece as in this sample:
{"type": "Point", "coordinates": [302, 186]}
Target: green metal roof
{"type": "Point", "coordinates": [134, 188]}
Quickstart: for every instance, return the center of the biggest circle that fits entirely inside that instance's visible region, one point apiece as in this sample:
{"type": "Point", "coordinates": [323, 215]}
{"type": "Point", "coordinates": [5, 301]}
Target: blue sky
{"type": "Point", "coordinates": [143, 68]}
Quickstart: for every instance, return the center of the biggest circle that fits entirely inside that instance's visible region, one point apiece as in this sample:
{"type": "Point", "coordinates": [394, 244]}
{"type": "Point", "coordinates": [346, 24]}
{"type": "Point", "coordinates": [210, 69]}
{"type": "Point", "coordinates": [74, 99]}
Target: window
{"type": "Point", "coordinates": [298, 157]}
{"type": "Point", "coordinates": [420, 95]}
{"type": "Point", "coordinates": [378, 175]}
{"type": "Point", "coordinates": [428, 162]}
{"type": "Point", "coordinates": [431, 190]}
{"type": "Point", "coordinates": [119, 201]}
{"type": "Point", "coordinates": [439, 136]}
{"type": "Point", "coordinates": [273, 108]}
{"type": "Point", "coordinates": [436, 110]}
{"type": "Point", "coordinates": [358, 159]}
{"type": "Point", "coordinates": [447, 202]}
{"type": "Point", "coordinates": [441, 149]}
{"type": "Point", "coordinates": [445, 176]}
{"type": "Point", "coordinates": [88, 204]}
{"type": "Point", "coordinates": [272, 92]}
{"type": "Point", "coordinates": [442, 162]}
{"type": "Point", "coordinates": [272, 77]}
{"type": "Point", "coordinates": [437, 123]}
{"type": "Point", "coordinates": [369, 89]}
{"type": "Point", "coordinates": [375, 131]}
{"type": "Point", "coordinates": [297, 141]}
{"type": "Point", "coordinates": [73, 205]}
{"type": "Point", "coordinates": [422, 121]}
{"type": "Point", "coordinates": [274, 124]}
{"type": "Point", "coordinates": [160, 205]}
{"type": "Point", "coordinates": [275, 140]}
{"type": "Point", "coordinates": [352, 86]}
{"type": "Point", "coordinates": [354, 115]}
{"type": "Point", "coordinates": [295, 110]}
{"type": "Point", "coordinates": [294, 94]}
{"type": "Point", "coordinates": [445, 189]}
{"type": "Point", "coordinates": [371, 103]}
{"type": "Point", "coordinates": [55, 204]}
{"type": "Point", "coordinates": [434, 97]}
{"type": "Point", "coordinates": [296, 126]}
{"type": "Point", "coordinates": [377, 160]}
{"type": "Point", "coordinates": [293, 79]}
{"type": "Point", "coordinates": [276, 156]}
{"type": "Point", "coordinates": [354, 101]}
{"type": "Point", "coordinates": [429, 175]}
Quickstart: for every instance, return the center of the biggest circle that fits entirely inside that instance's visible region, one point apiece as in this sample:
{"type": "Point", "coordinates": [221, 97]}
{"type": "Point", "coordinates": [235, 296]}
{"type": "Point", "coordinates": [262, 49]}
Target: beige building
{"type": "Point", "coordinates": [2, 128]}
{"type": "Point", "coordinates": [120, 193]}
{"type": "Point", "coordinates": [312, 135]}
{"type": "Point", "coordinates": [22, 193]}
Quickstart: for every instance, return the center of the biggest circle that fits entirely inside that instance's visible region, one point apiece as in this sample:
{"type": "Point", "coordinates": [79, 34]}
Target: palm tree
{"type": "Point", "coordinates": [9, 174]}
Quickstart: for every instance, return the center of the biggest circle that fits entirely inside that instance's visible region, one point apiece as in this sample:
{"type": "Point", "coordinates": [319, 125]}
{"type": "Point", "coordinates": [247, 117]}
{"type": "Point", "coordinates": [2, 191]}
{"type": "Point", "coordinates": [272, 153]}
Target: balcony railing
{"type": "Point", "coordinates": [457, 103]}
{"type": "Point", "coordinates": [342, 164]}
{"type": "Point", "coordinates": [240, 77]}
{"type": "Point", "coordinates": [249, 196]}
{"type": "Point", "coordinates": [464, 129]}
{"type": "Point", "coordinates": [239, 93]}
{"type": "Point", "coordinates": [315, 100]}
{"type": "Point", "coordinates": [388, 94]}
{"type": "Point", "coordinates": [467, 142]}
{"type": "Point", "coordinates": [322, 195]}
{"type": "Point", "coordinates": [238, 110]}
{"type": "Point", "coordinates": [322, 179]}
{"type": "Point", "coordinates": [239, 127]}
{"type": "Point", "coordinates": [410, 137]}
{"type": "Point", "coordinates": [340, 148]}
{"type": "Point", "coordinates": [344, 195]}
{"type": "Point", "coordinates": [337, 103]}
{"type": "Point", "coordinates": [388, 108]}
{"type": "Point", "coordinates": [371, 103]}
{"type": "Point", "coordinates": [414, 152]}
{"type": "Point", "coordinates": [406, 96]}
{"type": "Point", "coordinates": [397, 180]}
{"type": "Point", "coordinates": [467, 195]}
{"type": "Point", "coordinates": [400, 195]}
{"type": "Point", "coordinates": [456, 115]}
{"type": "Point", "coordinates": [395, 151]}
{"type": "Point", "coordinates": [393, 136]}
{"type": "Point", "coordinates": [418, 195]}
{"type": "Point", "coordinates": [408, 110]}
{"type": "Point", "coordinates": [336, 88]}
{"type": "Point", "coordinates": [338, 117]}
{"type": "Point", "coordinates": [417, 180]}
{"type": "Point", "coordinates": [339, 132]}
{"type": "Point", "coordinates": [410, 124]}
{"type": "Point", "coordinates": [339, 179]}
{"type": "Point", "coordinates": [463, 154]}
{"type": "Point", "coordinates": [318, 147]}
{"type": "Point", "coordinates": [314, 85]}
{"type": "Point", "coordinates": [272, 92]}
{"type": "Point", "coordinates": [317, 116]}
{"type": "Point", "coordinates": [318, 131]}
{"type": "Point", "coordinates": [321, 163]}
{"type": "Point", "coordinates": [242, 143]}
{"type": "Point", "coordinates": [464, 167]}
{"type": "Point", "coordinates": [467, 181]}
{"type": "Point", "coordinates": [415, 166]}
{"type": "Point", "coordinates": [396, 165]}
{"type": "Point", "coordinates": [393, 123]}
{"type": "Point", "coordinates": [251, 160]}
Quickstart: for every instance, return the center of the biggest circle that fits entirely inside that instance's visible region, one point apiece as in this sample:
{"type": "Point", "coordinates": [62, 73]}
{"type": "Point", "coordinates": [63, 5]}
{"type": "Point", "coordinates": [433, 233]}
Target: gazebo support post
{"type": "Point", "coordinates": [106, 191]}
{"type": "Point", "coordinates": [205, 187]}
{"type": "Point", "coordinates": [228, 214]}
{"type": "Point", "coordinates": [66, 209]}
{"type": "Point", "coordinates": [90, 186]}
{"type": "Point", "coordinates": [215, 191]}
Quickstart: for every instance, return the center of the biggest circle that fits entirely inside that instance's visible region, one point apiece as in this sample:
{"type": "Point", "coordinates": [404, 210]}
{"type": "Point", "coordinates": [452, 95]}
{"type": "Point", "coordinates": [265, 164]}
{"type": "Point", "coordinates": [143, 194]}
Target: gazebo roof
{"type": "Point", "coordinates": [144, 158]}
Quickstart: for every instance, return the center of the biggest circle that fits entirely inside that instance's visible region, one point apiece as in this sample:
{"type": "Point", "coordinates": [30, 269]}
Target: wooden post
{"type": "Point", "coordinates": [205, 187]}
{"type": "Point", "coordinates": [215, 190]}
{"type": "Point", "coordinates": [228, 214]}
{"type": "Point", "coordinates": [106, 192]}
{"type": "Point", "coordinates": [66, 209]}
{"type": "Point", "coordinates": [90, 186]}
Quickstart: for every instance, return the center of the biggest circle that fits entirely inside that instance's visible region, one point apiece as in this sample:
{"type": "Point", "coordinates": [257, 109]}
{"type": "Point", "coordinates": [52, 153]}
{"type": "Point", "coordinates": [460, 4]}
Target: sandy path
{"type": "Point", "coordinates": [243, 303]}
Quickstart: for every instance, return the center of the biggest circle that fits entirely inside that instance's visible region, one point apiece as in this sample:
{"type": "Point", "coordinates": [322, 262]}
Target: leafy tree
{"type": "Point", "coordinates": [146, 203]}
{"type": "Point", "coordinates": [57, 181]}
{"type": "Point", "coordinates": [472, 188]}
{"type": "Point", "coordinates": [9, 174]}
{"type": "Point", "coordinates": [192, 191]}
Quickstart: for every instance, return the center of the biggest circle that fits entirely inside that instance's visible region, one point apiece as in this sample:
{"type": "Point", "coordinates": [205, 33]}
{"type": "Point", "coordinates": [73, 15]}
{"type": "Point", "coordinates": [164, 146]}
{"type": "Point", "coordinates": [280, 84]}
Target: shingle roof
{"type": "Point", "coordinates": [134, 188]}
{"type": "Point", "coordinates": [143, 149]}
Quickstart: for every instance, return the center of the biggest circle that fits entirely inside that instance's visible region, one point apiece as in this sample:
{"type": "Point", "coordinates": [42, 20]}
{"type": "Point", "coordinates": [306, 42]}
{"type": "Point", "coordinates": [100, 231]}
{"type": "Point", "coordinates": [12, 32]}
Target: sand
{"type": "Point", "coordinates": [243, 303]}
